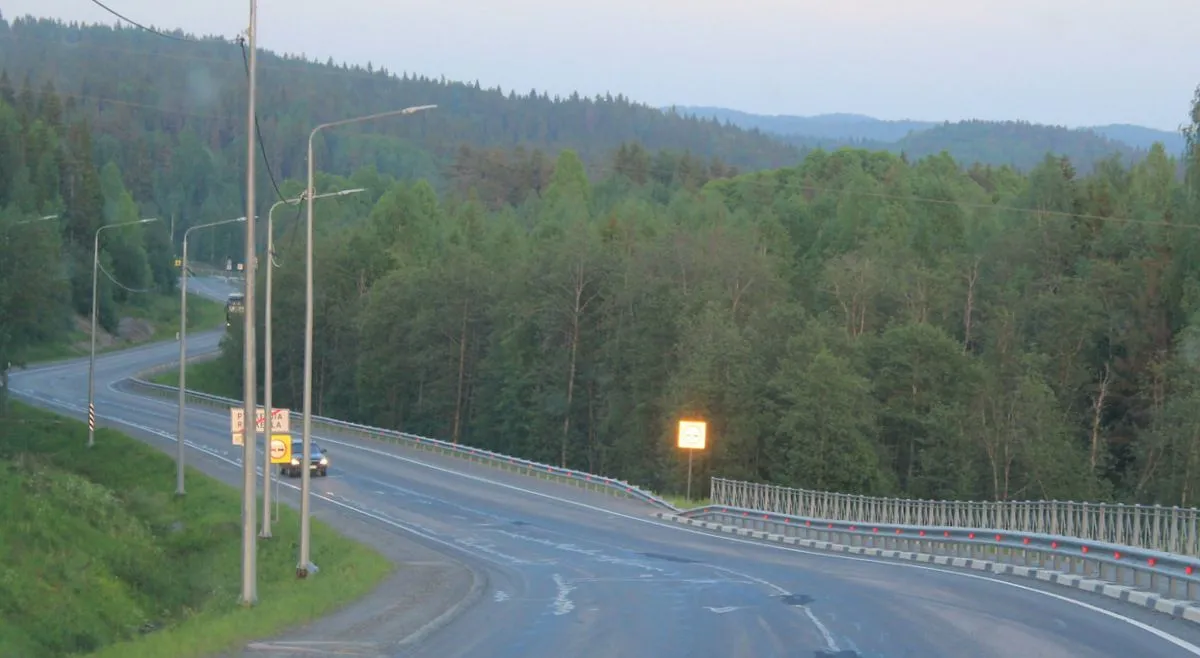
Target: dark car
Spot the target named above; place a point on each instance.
(319, 463)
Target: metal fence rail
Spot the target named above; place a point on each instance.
(1022, 553)
(478, 455)
(1174, 530)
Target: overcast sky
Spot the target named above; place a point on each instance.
(1071, 62)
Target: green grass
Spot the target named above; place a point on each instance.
(99, 557)
(678, 500)
(205, 377)
(161, 311)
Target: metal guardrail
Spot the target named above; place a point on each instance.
(1162, 573)
(478, 455)
(1172, 530)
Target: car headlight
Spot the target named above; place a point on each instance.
(295, 462)
(324, 461)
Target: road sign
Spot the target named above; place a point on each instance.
(692, 434)
(281, 449)
(238, 440)
(280, 420)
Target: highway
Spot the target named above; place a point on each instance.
(559, 571)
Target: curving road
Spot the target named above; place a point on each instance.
(550, 570)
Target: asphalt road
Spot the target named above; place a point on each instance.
(550, 570)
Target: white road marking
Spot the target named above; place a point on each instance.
(562, 602)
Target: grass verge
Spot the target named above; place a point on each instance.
(206, 377)
(161, 311)
(680, 502)
(100, 558)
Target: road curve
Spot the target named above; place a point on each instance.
(565, 572)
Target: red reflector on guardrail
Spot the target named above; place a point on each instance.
(971, 535)
(922, 533)
(1084, 549)
(897, 530)
(1152, 561)
(1188, 570)
(1117, 555)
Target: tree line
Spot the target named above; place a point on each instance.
(857, 323)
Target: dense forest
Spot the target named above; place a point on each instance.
(858, 322)
(53, 199)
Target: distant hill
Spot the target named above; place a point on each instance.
(1142, 137)
(1017, 143)
(854, 127)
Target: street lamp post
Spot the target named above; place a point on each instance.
(250, 390)
(179, 457)
(95, 302)
(305, 562)
(267, 354)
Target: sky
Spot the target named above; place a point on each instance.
(1063, 62)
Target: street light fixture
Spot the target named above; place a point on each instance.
(95, 302)
(179, 457)
(39, 219)
(267, 356)
(305, 563)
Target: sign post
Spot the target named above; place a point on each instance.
(692, 437)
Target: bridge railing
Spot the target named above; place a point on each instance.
(1174, 530)
(1064, 560)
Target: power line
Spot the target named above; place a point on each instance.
(134, 23)
(246, 62)
(258, 130)
(122, 285)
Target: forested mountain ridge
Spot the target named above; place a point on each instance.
(133, 78)
(1018, 143)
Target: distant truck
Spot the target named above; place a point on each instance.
(235, 306)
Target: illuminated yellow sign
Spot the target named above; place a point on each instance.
(692, 434)
(281, 448)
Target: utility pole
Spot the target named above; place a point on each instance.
(250, 388)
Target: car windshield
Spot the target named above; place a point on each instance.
(298, 448)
